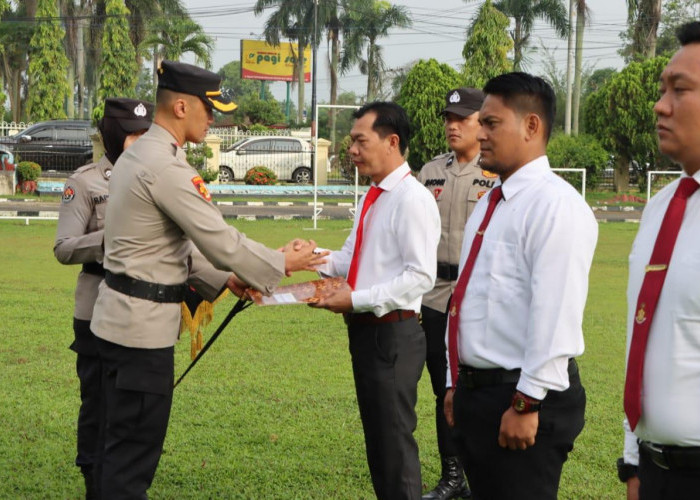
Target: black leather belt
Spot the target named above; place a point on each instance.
(473, 378)
(369, 318)
(94, 268)
(447, 271)
(145, 289)
(672, 457)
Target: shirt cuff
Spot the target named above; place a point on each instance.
(528, 388)
(631, 453)
(361, 300)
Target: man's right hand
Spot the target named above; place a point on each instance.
(633, 488)
(448, 405)
(302, 257)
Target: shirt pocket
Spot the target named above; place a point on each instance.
(500, 270)
(100, 211)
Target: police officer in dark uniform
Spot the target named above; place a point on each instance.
(457, 183)
(159, 214)
(79, 238)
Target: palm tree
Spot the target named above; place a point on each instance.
(646, 16)
(525, 12)
(174, 36)
(14, 55)
(582, 17)
(364, 22)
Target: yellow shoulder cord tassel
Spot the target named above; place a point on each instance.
(196, 322)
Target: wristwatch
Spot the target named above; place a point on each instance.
(626, 471)
(523, 403)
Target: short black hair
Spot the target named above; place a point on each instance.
(689, 33)
(527, 94)
(390, 119)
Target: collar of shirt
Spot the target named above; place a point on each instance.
(467, 167)
(394, 178)
(524, 176)
(164, 135)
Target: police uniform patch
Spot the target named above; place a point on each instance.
(198, 183)
(488, 174)
(437, 192)
(68, 194)
(480, 194)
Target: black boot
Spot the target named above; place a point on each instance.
(452, 484)
(90, 489)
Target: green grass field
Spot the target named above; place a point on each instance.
(270, 411)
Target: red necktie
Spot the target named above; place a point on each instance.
(655, 274)
(461, 287)
(370, 198)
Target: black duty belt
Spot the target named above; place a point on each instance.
(145, 289)
(672, 457)
(94, 268)
(447, 271)
(473, 378)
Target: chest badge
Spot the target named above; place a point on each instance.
(198, 183)
(488, 175)
(480, 194)
(437, 192)
(641, 316)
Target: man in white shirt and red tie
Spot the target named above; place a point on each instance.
(515, 318)
(390, 260)
(662, 384)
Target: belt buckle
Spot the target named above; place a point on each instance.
(658, 456)
(160, 292)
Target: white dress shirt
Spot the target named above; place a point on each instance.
(399, 247)
(523, 306)
(671, 384)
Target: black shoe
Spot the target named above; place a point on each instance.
(452, 484)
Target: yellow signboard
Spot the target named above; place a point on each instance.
(261, 61)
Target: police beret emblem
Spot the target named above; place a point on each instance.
(68, 194)
(454, 98)
(140, 110)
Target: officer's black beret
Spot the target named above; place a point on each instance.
(132, 115)
(193, 80)
(463, 101)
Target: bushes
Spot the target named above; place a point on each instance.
(28, 171)
(197, 156)
(260, 176)
(582, 151)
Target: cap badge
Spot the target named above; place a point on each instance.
(140, 110)
(454, 98)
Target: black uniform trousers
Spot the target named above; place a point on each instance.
(656, 483)
(89, 370)
(435, 324)
(137, 396)
(499, 473)
(387, 362)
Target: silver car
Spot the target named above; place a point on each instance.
(288, 157)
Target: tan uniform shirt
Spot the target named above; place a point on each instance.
(456, 187)
(158, 208)
(81, 222)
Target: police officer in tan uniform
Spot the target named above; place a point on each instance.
(457, 182)
(79, 239)
(159, 210)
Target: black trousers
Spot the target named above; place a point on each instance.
(137, 396)
(434, 325)
(89, 370)
(656, 483)
(499, 473)
(387, 362)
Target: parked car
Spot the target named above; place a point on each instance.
(288, 157)
(61, 145)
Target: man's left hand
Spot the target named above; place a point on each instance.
(518, 430)
(236, 285)
(337, 302)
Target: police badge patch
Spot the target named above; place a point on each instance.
(68, 194)
(198, 183)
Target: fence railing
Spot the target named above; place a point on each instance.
(11, 128)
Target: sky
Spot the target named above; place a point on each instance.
(437, 32)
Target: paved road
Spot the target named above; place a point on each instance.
(268, 211)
